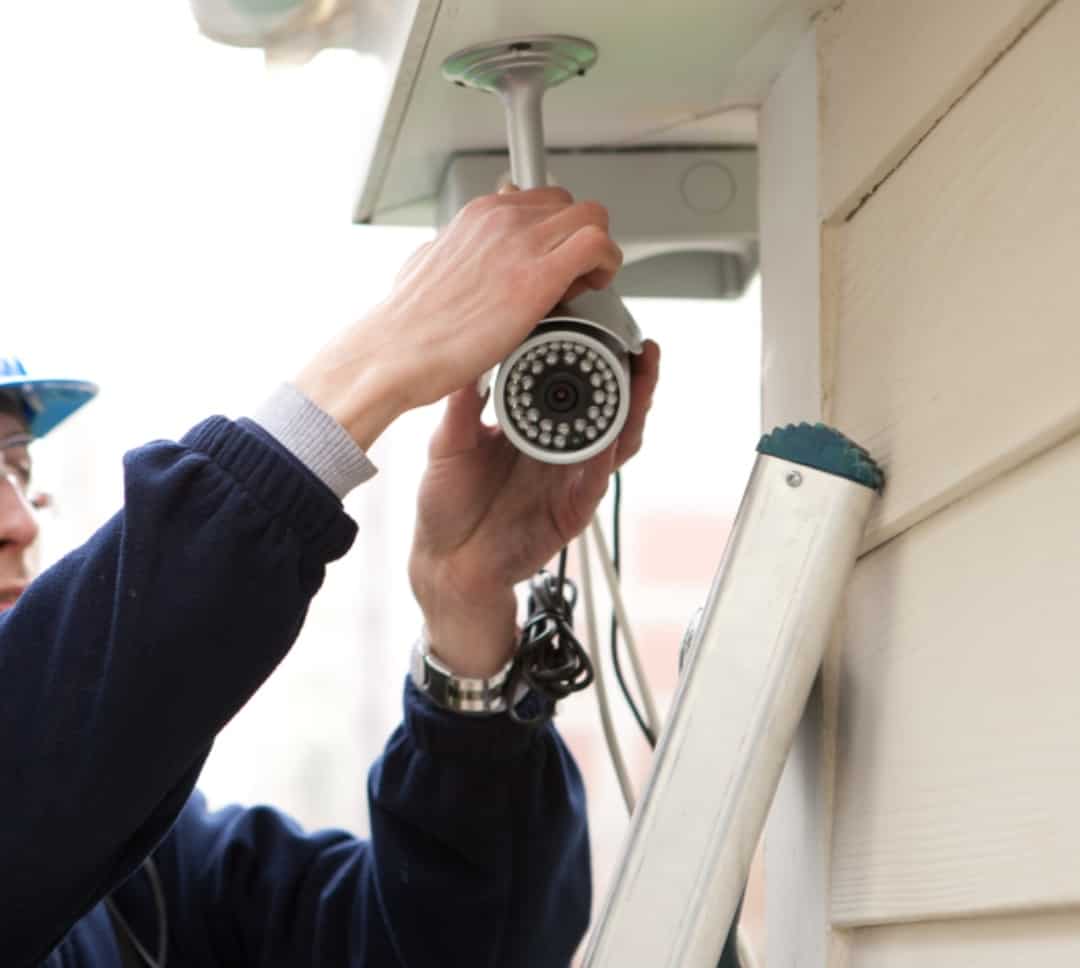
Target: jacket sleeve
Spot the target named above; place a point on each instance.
(479, 857)
(120, 664)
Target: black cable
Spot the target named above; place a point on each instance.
(615, 560)
(550, 660)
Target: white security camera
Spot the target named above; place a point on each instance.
(564, 394)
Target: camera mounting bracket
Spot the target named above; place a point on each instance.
(520, 70)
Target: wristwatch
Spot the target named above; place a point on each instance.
(459, 694)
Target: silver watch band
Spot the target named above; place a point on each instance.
(459, 694)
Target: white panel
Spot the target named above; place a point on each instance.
(875, 106)
(790, 245)
(666, 73)
(954, 290)
(796, 833)
(958, 791)
(1038, 940)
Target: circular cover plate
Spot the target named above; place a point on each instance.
(553, 57)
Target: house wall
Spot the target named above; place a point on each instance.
(928, 813)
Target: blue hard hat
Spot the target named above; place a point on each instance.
(46, 401)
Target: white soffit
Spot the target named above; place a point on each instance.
(686, 72)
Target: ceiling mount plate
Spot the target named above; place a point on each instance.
(553, 57)
(519, 70)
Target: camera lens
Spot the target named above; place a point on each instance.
(561, 396)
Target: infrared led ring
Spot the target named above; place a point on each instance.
(563, 395)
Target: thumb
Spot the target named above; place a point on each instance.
(460, 427)
(588, 486)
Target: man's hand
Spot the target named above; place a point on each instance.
(461, 305)
(490, 517)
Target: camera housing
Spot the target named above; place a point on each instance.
(563, 395)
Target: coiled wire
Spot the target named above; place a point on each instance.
(550, 661)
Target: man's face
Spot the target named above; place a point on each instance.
(18, 522)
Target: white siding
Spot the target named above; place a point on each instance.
(1038, 940)
(954, 292)
(958, 790)
(890, 70)
(796, 833)
(938, 771)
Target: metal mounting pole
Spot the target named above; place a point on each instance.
(520, 70)
(523, 98)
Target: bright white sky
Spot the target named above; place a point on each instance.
(172, 212)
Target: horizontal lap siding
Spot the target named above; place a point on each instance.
(889, 70)
(958, 783)
(953, 324)
(951, 348)
(1037, 940)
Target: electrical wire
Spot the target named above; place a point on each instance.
(651, 718)
(162, 918)
(616, 514)
(591, 637)
(613, 573)
(550, 661)
(744, 951)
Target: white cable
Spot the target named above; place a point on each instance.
(163, 923)
(598, 673)
(743, 950)
(745, 953)
(623, 620)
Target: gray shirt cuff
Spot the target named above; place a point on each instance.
(316, 439)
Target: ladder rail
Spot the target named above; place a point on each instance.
(748, 674)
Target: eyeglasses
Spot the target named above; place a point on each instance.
(16, 467)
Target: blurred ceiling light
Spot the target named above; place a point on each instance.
(296, 29)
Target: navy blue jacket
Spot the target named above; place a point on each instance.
(119, 665)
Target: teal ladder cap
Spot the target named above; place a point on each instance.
(815, 445)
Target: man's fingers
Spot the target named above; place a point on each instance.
(461, 426)
(576, 289)
(588, 254)
(558, 227)
(645, 371)
(576, 231)
(589, 487)
(551, 195)
(597, 279)
(414, 260)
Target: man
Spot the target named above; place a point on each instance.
(120, 663)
